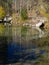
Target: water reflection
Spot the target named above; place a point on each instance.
(12, 52)
(15, 53)
(16, 47)
(41, 32)
(3, 49)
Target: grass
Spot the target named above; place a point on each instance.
(43, 11)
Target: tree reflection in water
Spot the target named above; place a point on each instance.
(13, 51)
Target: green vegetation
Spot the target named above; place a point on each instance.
(7, 4)
(23, 31)
(24, 14)
(5, 30)
(2, 13)
(2, 30)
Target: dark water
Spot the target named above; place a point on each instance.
(13, 52)
(17, 52)
(3, 49)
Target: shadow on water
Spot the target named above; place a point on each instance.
(3, 49)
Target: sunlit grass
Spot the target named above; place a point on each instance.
(43, 12)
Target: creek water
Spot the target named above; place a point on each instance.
(17, 48)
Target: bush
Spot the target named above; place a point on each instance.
(24, 14)
(2, 12)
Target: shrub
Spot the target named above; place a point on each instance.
(2, 13)
(24, 14)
